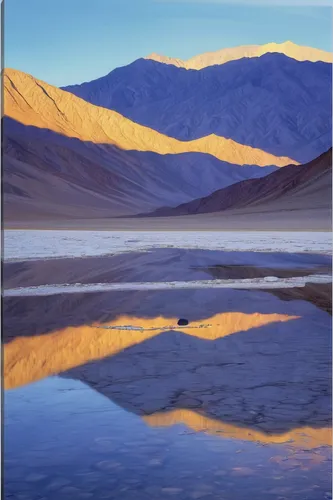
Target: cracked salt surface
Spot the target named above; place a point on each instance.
(261, 283)
(44, 244)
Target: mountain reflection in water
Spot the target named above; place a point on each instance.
(247, 387)
(235, 404)
(307, 437)
(27, 359)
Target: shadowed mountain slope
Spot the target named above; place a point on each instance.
(271, 102)
(50, 176)
(292, 188)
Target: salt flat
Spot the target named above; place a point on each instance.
(103, 287)
(43, 244)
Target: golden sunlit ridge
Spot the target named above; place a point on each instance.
(35, 103)
(289, 49)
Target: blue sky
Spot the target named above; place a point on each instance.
(71, 41)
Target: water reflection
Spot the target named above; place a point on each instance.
(27, 359)
(236, 403)
(64, 440)
(307, 437)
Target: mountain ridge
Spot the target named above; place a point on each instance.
(35, 103)
(221, 56)
(273, 103)
(94, 180)
(256, 193)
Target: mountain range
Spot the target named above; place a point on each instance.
(162, 133)
(272, 102)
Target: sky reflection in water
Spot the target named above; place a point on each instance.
(63, 438)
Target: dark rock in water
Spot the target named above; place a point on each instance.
(182, 322)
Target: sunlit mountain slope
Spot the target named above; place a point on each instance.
(35, 103)
(288, 48)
